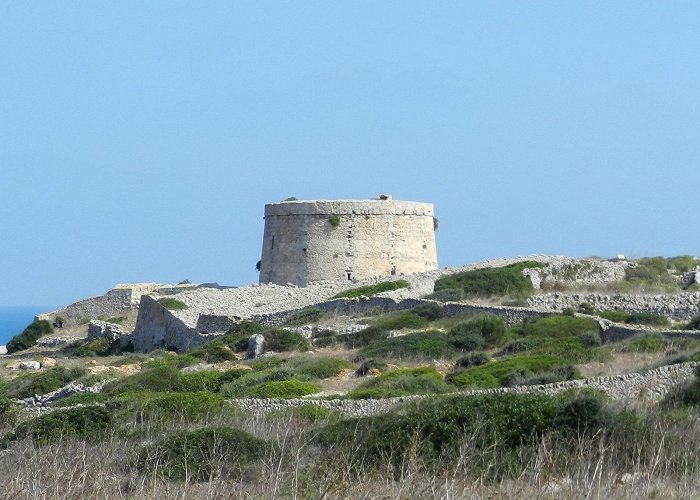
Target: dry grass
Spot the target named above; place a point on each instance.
(655, 467)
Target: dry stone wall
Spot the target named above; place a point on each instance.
(679, 307)
(651, 385)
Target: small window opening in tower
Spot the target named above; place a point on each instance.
(272, 245)
(349, 275)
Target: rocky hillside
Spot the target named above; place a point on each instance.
(507, 377)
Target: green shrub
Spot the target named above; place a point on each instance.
(426, 380)
(206, 380)
(557, 326)
(8, 411)
(582, 348)
(202, 454)
(648, 342)
(325, 338)
(280, 340)
(41, 383)
(493, 374)
(224, 348)
(582, 413)
(507, 280)
(489, 327)
(585, 308)
(161, 378)
(166, 406)
(80, 398)
(467, 341)
(305, 316)
(420, 345)
(645, 318)
(617, 316)
(382, 325)
(86, 422)
(446, 295)
(431, 312)
(370, 290)
(473, 359)
(526, 377)
(281, 389)
(694, 323)
(172, 304)
(334, 220)
(97, 347)
(240, 387)
(318, 367)
(29, 336)
(682, 263)
(496, 423)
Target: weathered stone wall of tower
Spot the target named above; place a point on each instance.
(308, 241)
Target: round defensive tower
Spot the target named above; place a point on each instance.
(308, 241)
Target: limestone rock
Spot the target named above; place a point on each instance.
(14, 365)
(91, 362)
(130, 369)
(101, 329)
(255, 346)
(47, 362)
(29, 365)
(3, 349)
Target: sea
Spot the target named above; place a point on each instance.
(13, 319)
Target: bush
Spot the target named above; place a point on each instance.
(492, 375)
(172, 304)
(280, 340)
(496, 423)
(334, 220)
(281, 389)
(474, 359)
(382, 325)
(86, 422)
(202, 454)
(446, 295)
(305, 316)
(644, 318)
(97, 347)
(8, 411)
(224, 347)
(426, 380)
(325, 338)
(682, 263)
(525, 377)
(583, 413)
(616, 316)
(489, 327)
(648, 342)
(80, 398)
(557, 326)
(166, 406)
(240, 387)
(43, 382)
(370, 290)
(585, 308)
(694, 323)
(29, 336)
(579, 349)
(431, 312)
(319, 367)
(507, 280)
(421, 345)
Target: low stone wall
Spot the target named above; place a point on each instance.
(651, 385)
(678, 307)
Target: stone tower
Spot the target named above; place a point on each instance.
(308, 241)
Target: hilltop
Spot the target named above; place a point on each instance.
(385, 385)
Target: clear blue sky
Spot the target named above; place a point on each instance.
(139, 141)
